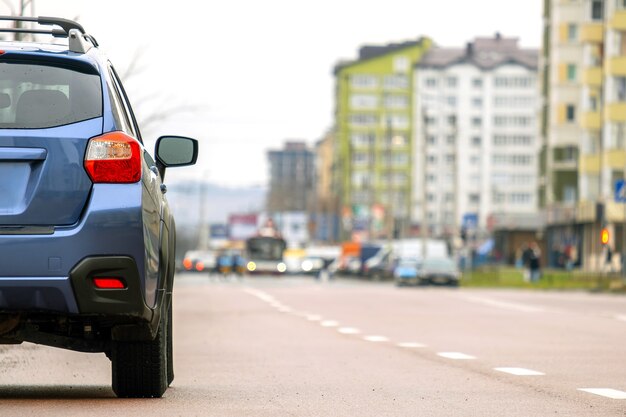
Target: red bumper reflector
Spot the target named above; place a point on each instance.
(109, 283)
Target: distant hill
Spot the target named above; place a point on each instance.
(219, 202)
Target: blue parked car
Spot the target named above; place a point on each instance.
(86, 235)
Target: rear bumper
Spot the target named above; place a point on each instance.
(37, 294)
(37, 271)
(77, 293)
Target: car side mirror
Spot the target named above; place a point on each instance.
(175, 151)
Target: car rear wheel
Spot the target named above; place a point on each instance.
(140, 369)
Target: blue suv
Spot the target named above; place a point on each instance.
(86, 235)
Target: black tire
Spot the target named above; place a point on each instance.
(170, 346)
(140, 368)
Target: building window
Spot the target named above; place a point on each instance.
(570, 113)
(450, 158)
(432, 159)
(396, 102)
(449, 197)
(396, 81)
(363, 120)
(477, 102)
(431, 197)
(477, 121)
(451, 120)
(621, 4)
(432, 140)
(476, 141)
(620, 87)
(431, 121)
(363, 139)
(451, 100)
(361, 179)
(430, 82)
(431, 178)
(571, 72)
(360, 158)
(451, 82)
(363, 101)
(474, 198)
(398, 121)
(597, 9)
(475, 160)
(364, 81)
(450, 139)
(572, 32)
(401, 64)
(477, 82)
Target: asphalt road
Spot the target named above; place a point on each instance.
(292, 346)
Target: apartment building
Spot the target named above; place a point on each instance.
(476, 135)
(374, 139)
(584, 110)
(292, 178)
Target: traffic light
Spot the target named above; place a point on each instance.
(604, 236)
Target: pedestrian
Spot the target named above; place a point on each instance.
(535, 262)
(526, 255)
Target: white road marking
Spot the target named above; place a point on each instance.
(348, 330)
(329, 323)
(456, 355)
(620, 317)
(376, 338)
(410, 345)
(313, 317)
(606, 392)
(519, 371)
(505, 304)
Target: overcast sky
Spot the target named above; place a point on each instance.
(260, 72)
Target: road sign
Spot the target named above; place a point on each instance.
(470, 221)
(620, 191)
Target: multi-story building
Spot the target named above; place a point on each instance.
(476, 136)
(326, 206)
(374, 138)
(584, 111)
(291, 179)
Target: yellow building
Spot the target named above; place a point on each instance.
(584, 111)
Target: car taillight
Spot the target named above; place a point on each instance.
(199, 266)
(113, 157)
(187, 264)
(109, 283)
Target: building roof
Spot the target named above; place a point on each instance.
(485, 53)
(367, 52)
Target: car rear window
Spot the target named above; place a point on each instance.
(39, 96)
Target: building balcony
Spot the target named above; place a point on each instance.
(617, 66)
(591, 120)
(616, 112)
(565, 165)
(618, 22)
(593, 77)
(592, 33)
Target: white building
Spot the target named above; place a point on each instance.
(476, 134)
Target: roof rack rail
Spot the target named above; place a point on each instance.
(74, 31)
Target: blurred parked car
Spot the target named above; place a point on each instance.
(312, 265)
(200, 261)
(427, 271)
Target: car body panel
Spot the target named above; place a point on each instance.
(49, 187)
